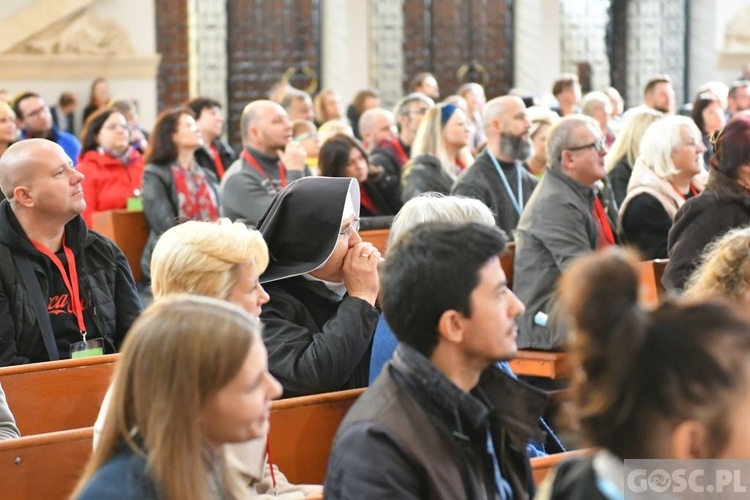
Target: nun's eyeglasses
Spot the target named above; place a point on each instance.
(347, 231)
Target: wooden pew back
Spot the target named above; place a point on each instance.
(129, 231)
(45, 465)
(302, 432)
(378, 237)
(541, 364)
(651, 290)
(57, 395)
(507, 258)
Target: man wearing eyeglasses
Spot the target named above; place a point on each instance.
(565, 218)
(391, 153)
(35, 121)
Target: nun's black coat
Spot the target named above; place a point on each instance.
(317, 341)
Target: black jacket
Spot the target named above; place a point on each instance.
(107, 288)
(161, 206)
(389, 184)
(424, 174)
(722, 206)
(206, 160)
(413, 434)
(317, 342)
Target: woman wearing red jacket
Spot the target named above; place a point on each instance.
(112, 168)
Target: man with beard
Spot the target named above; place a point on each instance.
(659, 94)
(498, 178)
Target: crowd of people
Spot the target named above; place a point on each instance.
(263, 287)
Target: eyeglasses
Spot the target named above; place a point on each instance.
(347, 231)
(600, 145)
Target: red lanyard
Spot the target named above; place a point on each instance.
(70, 283)
(282, 171)
(606, 236)
(217, 161)
(400, 152)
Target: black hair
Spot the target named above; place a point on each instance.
(430, 270)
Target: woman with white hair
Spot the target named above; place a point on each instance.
(669, 170)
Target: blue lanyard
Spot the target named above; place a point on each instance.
(517, 201)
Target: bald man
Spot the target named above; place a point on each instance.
(269, 161)
(61, 283)
(376, 125)
(498, 177)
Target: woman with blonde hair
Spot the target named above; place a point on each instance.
(327, 106)
(541, 120)
(669, 170)
(624, 151)
(439, 153)
(164, 434)
(222, 260)
(724, 270)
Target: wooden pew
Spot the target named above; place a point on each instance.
(45, 465)
(302, 432)
(57, 395)
(541, 364)
(378, 237)
(129, 230)
(542, 466)
(652, 290)
(506, 262)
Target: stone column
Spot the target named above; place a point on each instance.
(386, 49)
(207, 42)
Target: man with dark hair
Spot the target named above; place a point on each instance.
(216, 154)
(442, 421)
(61, 285)
(567, 91)
(498, 178)
(34, 118)
(658, 94)
(427, 84)
(63, 115)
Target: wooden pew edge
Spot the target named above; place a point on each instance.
(57, 365)
(328, 397)
(47, 438)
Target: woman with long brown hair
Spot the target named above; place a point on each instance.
(175, 188)
(165, 435)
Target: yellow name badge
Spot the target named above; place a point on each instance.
(86, 349)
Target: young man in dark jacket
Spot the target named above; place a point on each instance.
(442, 421)
(60, 284)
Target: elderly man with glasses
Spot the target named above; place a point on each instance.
(566, 217)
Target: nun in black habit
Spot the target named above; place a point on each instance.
(323, 283)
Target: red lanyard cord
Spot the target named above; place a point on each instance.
(254, 163)
(71, 282)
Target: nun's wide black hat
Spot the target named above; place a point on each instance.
(302, 224)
